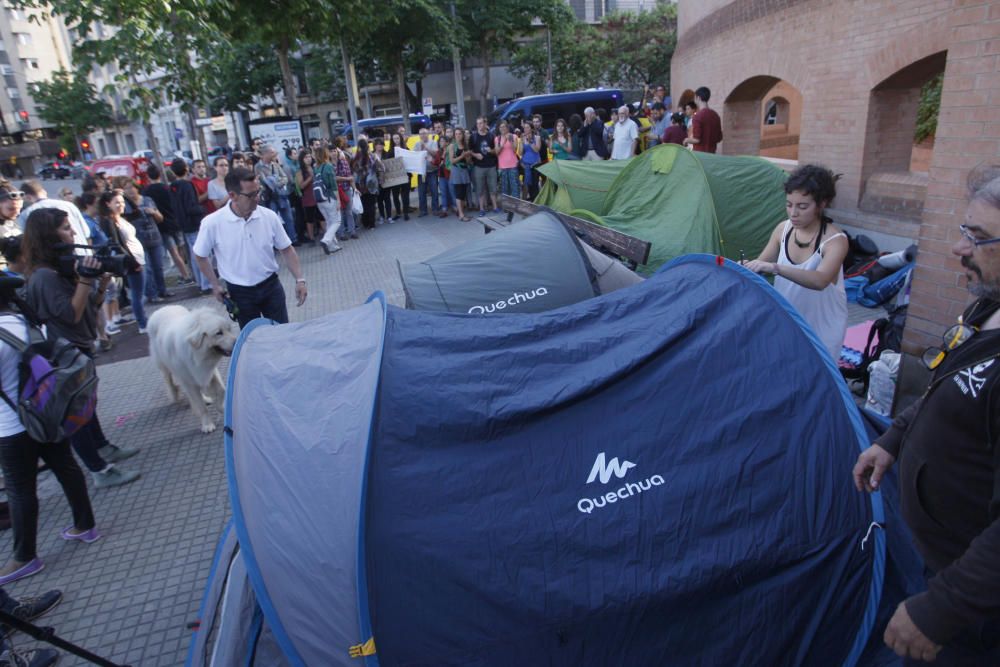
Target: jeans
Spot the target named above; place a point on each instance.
(265, 299)
(202, 281)
(347, 220)
(283, 208)
(530, 183)
(447, 193)
(331, 215)
(425, 183)
(508, 182)
(19, 456)
(135, 288)
(370, 202)
(86, 441)
(155, 284)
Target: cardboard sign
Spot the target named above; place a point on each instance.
(415, 161)
(395, 173)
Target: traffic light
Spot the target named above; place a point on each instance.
(22, 116)
(62, 154)
(85, 145)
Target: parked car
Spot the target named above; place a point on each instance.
(122, 165)
(384, 125)
(53, 170)
(555, 106)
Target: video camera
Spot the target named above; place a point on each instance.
(112, 258)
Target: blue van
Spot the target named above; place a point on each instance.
(383, 125)
(555, 106)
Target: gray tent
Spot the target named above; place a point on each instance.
(535, 265)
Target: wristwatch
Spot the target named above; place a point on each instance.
(300, 280)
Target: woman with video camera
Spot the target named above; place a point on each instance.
(65, 292)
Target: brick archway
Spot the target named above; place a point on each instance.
(741, 118)
(923, 41)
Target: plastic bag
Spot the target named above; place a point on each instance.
(882, 382)
(356, 205)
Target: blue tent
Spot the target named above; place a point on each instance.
(657, 476)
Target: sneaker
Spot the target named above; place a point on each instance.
(124, 319)
(391, 220)
(482, 214)
(112, 476)
(185, 281)
(30, 608)
(167, 295)
(114, 453)
(155, 299)
(111, 329)
(498, 210)
(87, 536)
(354, 235)
(39, 657)
(142, 330)
(326, 248)
(33, 566)
(335, 249)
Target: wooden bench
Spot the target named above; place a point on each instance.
(609, 241)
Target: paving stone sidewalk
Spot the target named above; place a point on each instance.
(130, 596)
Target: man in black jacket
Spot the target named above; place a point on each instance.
(591, 135)
(948, 448)
(173, 241)
(187, 214)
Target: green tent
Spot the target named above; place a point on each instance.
(678, 200)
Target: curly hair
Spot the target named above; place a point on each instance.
(816, 181)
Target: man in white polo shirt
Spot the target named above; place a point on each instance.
(243, 237)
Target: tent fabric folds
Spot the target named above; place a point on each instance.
(535, 265)
(680, 201)
(657, 476)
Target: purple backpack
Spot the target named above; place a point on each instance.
(57, 385)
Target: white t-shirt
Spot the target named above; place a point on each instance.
(216, 191)
(244, 249)
(9, 359)
(625, 134)
(127, 231)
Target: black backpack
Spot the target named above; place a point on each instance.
(890, 337)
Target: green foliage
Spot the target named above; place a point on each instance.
(239, 73)
(72, 104)
(927, 111)
(625, 49)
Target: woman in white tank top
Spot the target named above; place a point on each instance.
(806, 255)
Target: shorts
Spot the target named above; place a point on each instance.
(486, 179)
(114, 286)
(172, 239)
(461, 190)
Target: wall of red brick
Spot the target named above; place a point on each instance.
(839, 55)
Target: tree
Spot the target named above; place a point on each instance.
(578, 58)
(72, 104)
(240, 73)
(645, 43)
(927, 111)
(492, 27)
(405, 43)
(152, 44)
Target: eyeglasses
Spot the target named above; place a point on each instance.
(250, 195)
(973, 240)
(11, 194)
(953, 337)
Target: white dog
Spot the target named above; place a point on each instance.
(187, 346)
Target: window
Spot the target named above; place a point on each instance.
(23, 38)
(15, 14)
(13, 93)
(29, 63)
(6, 70)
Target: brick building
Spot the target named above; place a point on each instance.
(857, 69)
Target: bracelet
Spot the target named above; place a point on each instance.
(300, 280)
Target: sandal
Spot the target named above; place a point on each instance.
(465, 218)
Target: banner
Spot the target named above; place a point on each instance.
(395, 172)
(280, 134)
(415, 161)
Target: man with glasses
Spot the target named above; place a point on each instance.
(243, 237)
(948, 447)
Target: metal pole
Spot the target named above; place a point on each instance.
(459, 92)
(548, 52)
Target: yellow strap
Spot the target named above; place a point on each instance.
(361, 650)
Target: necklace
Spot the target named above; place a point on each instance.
(795, 237)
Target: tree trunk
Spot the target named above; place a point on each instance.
(194, 134)
(484, 94)
(287, 79)
(153, 143)
(404, 103)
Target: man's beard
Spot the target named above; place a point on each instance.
(981, 288)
